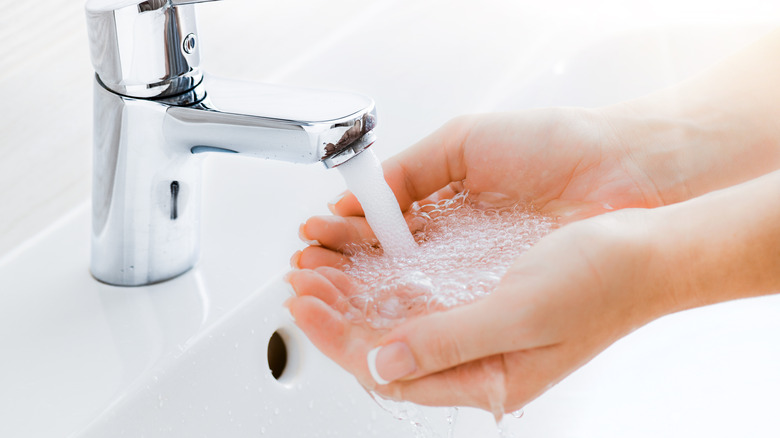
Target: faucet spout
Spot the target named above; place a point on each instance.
(147, 162)
(274, 122)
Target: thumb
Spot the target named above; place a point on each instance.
(443, 340)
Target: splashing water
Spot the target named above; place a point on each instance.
(465, 246)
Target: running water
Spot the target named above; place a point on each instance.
(364, 177)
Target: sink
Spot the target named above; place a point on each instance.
(210, 353)
(191, 357)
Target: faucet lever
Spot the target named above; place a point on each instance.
(144, 49)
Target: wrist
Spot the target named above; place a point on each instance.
(684, 145)
(721, 246)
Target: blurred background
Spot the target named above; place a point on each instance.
(465, 56)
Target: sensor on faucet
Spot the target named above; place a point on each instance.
(155, 112)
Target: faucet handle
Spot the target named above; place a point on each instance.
(144, 49)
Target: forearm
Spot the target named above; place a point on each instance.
(721, 246)
(713, 131)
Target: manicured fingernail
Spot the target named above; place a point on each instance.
(302, 235)
(390, 362)
(296, 257)
(332, 203)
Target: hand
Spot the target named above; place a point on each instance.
(562, 302)
(566, 162)
(582, 286)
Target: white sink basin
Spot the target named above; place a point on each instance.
(189, 357)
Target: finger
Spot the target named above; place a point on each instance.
(332, 334)
(420, 170)
(306, 282)
(499, 384)
(340, 280)
(477, 384)
(447, 192)
(335, 232)
(438, 341)
(315, 256)
(324, 326)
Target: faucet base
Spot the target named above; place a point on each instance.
(145, 195)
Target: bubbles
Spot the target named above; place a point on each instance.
(466, 245)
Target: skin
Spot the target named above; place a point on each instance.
(667, 203)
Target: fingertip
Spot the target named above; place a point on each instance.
(293, 278)
(315, 256)
(346, 204)
(294, 261)
(323, 325)
(390, 362)
(304, 236)
(307, 282)
(336, 199)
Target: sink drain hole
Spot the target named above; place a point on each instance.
(277, 355)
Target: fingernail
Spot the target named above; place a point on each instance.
(288, 276)
(390, 362)
(302, 235)
(296, 257)
(332, 203)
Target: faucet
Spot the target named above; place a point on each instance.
(156, 114)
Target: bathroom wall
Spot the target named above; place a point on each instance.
(480, 56)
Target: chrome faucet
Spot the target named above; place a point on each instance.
(155, 113)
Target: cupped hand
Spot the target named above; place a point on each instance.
(568, 163)
(561, 303)
(550, 312)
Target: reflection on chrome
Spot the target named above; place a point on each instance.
(155, 112)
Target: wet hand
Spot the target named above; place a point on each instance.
(565, 162)
(561, 303)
